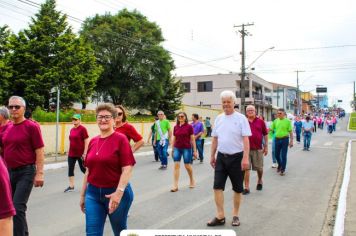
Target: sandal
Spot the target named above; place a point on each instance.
(174, 190)
(235, 221)
(216, 221)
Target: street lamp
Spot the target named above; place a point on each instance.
(243, 73)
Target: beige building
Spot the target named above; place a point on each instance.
(204, 90)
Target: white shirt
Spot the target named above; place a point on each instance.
(230, 130)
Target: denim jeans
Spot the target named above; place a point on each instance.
(96, 210)
(162, 152)
(199, 145)
(21, 184)
(330, 129)
(307, 138)
(274, 160)
(281, 153)
(185, 152)
(297, 133)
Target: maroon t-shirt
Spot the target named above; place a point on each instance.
(19, 142)
(182, 136)
(6, 206)
(106, 157)
(130, 132)
(258, 130)
(76, 141)
(2, 130)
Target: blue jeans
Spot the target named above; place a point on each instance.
(281, 153)
(96, 210)
(199, 145)
(274, 160)
(162, 152)
(297, 133)
(185, 152)
(307, 138)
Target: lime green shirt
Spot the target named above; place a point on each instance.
(281, 128)
(165, 126)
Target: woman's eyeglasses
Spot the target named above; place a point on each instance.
(181, 116)
(120, 113)
(106, 117)
(11, 107)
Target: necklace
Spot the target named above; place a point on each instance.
(97, 145)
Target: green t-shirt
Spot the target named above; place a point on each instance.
(165, 126)
(281, 128)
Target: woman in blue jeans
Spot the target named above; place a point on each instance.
(183, 141)
(106, 190)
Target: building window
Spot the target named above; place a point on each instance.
(206, 86)
(186, 87)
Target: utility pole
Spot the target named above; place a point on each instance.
(354, 98)
(243, 33)
(299, 103)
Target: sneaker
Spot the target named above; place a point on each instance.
(69, 189)
(235, 221)
(163, 168)
(274, 165)
(246, 192)
(259, 187)
(201, 162)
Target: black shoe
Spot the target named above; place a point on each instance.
(69, 189)
(259, 187)
(245, 192)
(216, 221)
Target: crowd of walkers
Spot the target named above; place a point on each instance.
(239, 144)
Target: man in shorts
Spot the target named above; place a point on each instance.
(259, 132)
(230, 141)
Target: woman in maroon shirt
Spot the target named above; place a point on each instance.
(78, 145)
(106, 189)
(183, 141)
(122, 126)
(7, 209)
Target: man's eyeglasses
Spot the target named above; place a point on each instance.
(11, 107)
(280, 113)
(106, 117)
(120, 113)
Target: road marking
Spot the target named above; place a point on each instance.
(329, 148)
(328, 143)
(341, 209)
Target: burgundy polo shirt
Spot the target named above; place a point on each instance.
(77, 137)
(258, 130)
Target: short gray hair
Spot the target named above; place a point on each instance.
(18, 98)
(228, 94)
(4, 112)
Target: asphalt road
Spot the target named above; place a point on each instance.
(295, 204)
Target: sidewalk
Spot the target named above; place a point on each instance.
(350, 217)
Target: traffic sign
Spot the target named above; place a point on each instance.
(321, 89)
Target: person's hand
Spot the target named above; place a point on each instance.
(82, 204)
(212, 161)
(245, 165)
(39, 179)
(291, 144)
(114, 202)
(265, 150)
(195, 155)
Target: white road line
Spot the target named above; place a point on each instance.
(341, 209)
(328, 143)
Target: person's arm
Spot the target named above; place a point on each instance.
(214, 145)
(194, 145)
(265, 148)
(82, 192)
(290, 139)
(137, 145)
(245, 159)
(6, 226)
(170, 134)
(39, 177)
(172, 144)
(86, 143)
(116, 196)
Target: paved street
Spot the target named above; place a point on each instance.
(295, 204)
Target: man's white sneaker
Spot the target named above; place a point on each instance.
(274, 165)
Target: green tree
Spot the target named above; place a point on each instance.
(5, 69)
(48, 54)
(137, 69)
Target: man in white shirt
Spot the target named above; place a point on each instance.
(230, 141)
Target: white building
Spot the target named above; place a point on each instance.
(204, 90)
